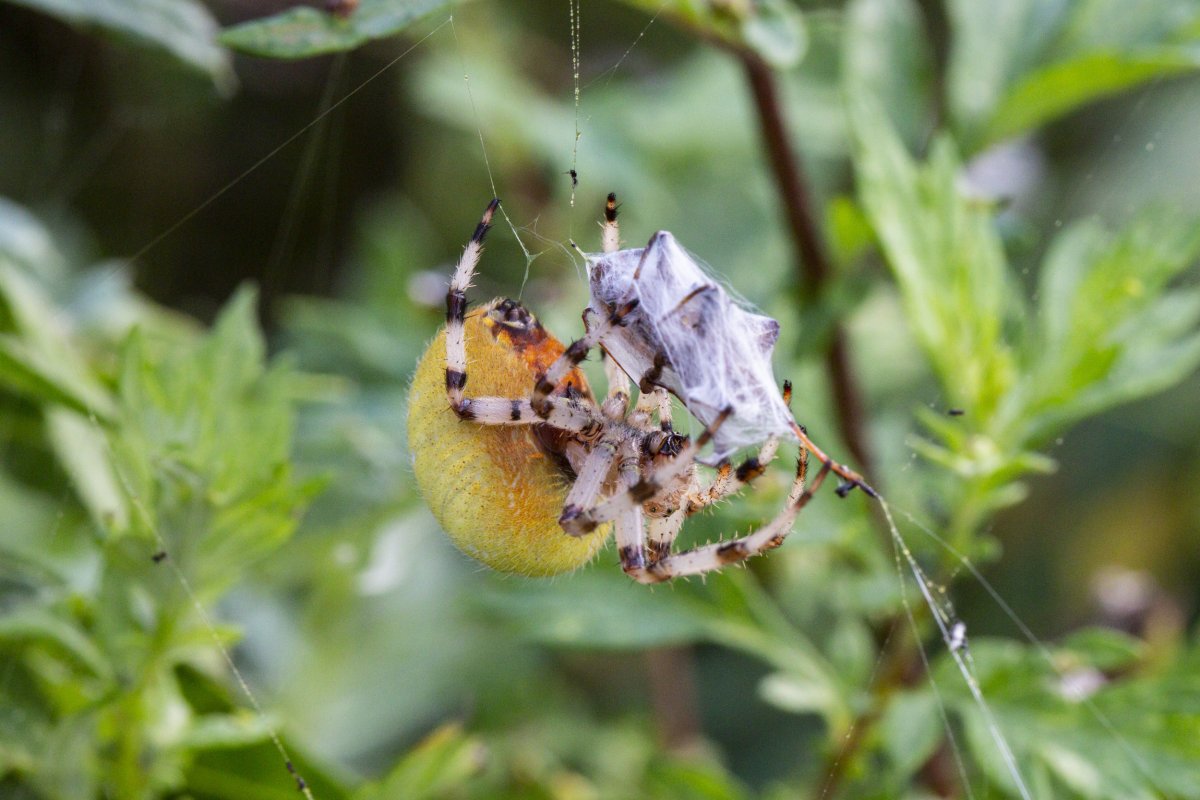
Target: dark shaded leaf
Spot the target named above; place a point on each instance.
(304, 31)
(183, 28)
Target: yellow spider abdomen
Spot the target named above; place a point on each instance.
(495, 490)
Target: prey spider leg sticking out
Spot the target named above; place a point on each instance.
(528, 473)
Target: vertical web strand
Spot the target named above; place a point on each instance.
(487, 164)
(574, 12)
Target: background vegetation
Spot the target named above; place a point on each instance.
(960, 205)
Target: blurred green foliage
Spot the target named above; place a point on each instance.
(174, 495)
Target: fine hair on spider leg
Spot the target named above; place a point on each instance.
(531, 427)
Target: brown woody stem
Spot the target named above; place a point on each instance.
(813, 265)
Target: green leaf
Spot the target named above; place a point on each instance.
(444, 760)
(1051, 92)
(228, 730)
(236, 773)
(1103, 648)
(26, 242)
(202, 444)
(772, 29)
(850, 235)
(83, 451)
(31, 623)
(776, 32)
(37, 358)
(884, 54)
(797, 694)
(303, 31)
(990, 43)
(1137, 737)
(1019, 64)
(680, 779)
(911, 728)
(946, 256)
(1108, 332)
(600, 608)
(183, 28)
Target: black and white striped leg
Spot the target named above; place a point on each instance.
(730, 480)
(650, 486)
(711, 557)
(631, 544)
(588, 483)
(630, 531)
(654, 401)
(610, 234)
(616, 403)
(456, 310)
(564, 414)
(661, 533)
(575, 353)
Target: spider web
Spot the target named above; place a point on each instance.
(951, 627)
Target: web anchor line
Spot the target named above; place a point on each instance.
(953, 633)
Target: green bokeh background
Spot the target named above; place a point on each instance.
(165, 187)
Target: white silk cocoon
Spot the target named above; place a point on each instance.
(714, 352)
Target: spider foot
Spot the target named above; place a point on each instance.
(847, 487)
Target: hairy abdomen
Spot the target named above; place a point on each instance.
(495, 490)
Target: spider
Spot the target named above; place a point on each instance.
(529, 473)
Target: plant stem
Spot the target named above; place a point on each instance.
(813, 265)
(815, 271)
(937, 31)
(894, 671)
(672, 677)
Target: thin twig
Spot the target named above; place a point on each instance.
(671, 673)
(937, 31)
(814, 266)
(815, 271)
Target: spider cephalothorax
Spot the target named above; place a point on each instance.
(527, 473)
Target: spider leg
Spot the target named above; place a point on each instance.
(630, 533)
(655, 399)
(647, 487)
(564, 414)
(616, 402)
(729, 481)
(610, 242)
(590, 478)
(661, 533)
(574, 354)
(456, 310)
(663, 399)
(710, 557)
(852, 479)
(610, 238)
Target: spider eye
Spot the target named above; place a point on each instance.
(513, 314)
